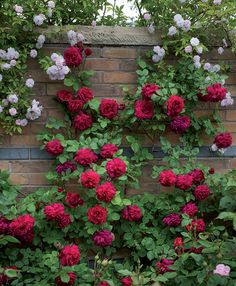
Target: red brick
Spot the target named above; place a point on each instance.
(119, 53)
(102, 64)
(52, 88)
(231, 79)
(30, 166)
(24, 141)
(231, 115)
(119, 77)
(4, 165)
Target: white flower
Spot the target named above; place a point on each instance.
(199, 50)
(12, 98)
(12, 111)
(6, 66)
(29, 83)
(208, 78)
(220, 50)
(151, 28)
(3, 54)
(12, 54)
(188, 49)
(41, 39)
(194, 42)
(172, 31)
(72, 37)
(51, 4)
(228, 100)
(49, 14)
(156, 58)
(225, 45)
(93, 24)
(196, 59)
(147, 16)
(5, 102)
(159, 51)
(18, 9)
(207, 66)
(178, 17)
(33, 53)
(217, 2)
(57, 72)
(35, 111)
(80, 37)
(1, 109)
(216, 68)
(197, 65)
(0, 77)
(13, 63)
(186, 25)
(39, 19)
(222, 150)
(21, 122)
(214, 148)
(54, 56)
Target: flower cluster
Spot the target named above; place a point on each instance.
(56, 212)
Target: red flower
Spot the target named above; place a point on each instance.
(167, 178)
(184, 182)
(54, 147)
(85, 94)
(178, 242)
(22, 228)
(190, 209)
(174, 105)
(148, 90)
(90, 179)
(75, 105)
(71, 281)
(105, 192)
(63, 220)
(116, 168)
(85, 157)
(69, 255)
(63, 168)
(60, 190)
(132, 213)
(180, 124)
(197, 226)
(198, 176)
(223, 140)
(97, 214)
(108, 108)
(103, 238)
(214, 93)
(103, 283)
(83, 121)
(144, 109)
(88, 52)
(173, 219)
(201, 192)
(53, 211)
(108, 150)
(211, 171)
(72, 57)
(4, 225)
(127, 281)
(164, 264)
(73, 199)
(195, 250)
(64, 95)
(121, 106)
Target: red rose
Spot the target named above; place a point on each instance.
(148, 90)
(173, 219)
(190, 209)
(85, 157)
(69, 255)
(115, 168)
(73, 199)
(108, 150)
(214, 93)
(72, 57)
(105, 192)
(164, 264)
(63, 220)
(132, 213)
(223, 140)
(75, 105)
(85, 94)
(121, 106)
(143, 109)
(201, 192)
(174, 105)
(4, 225)
(88, 52)
(108, 108)
(83, 121)
(198, 176)
(63, 168)
(178, 242)
(54, 147)
(64, 95)
(90, 179)
(97, 214)
(167, 178)
(23, 228)
(184, 182)
(211, 171)
(103, 238)
(180, 124)
(53, 211)
(103, 283)
(127, 281)
(70, 282)
(195, 250)
(197, 225)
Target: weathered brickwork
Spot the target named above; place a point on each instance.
(114, 66)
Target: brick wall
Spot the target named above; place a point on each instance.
(115, 51)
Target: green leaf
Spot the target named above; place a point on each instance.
(65, 278)
(68, 81)
(11, 273)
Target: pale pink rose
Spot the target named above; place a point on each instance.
(222, 270)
